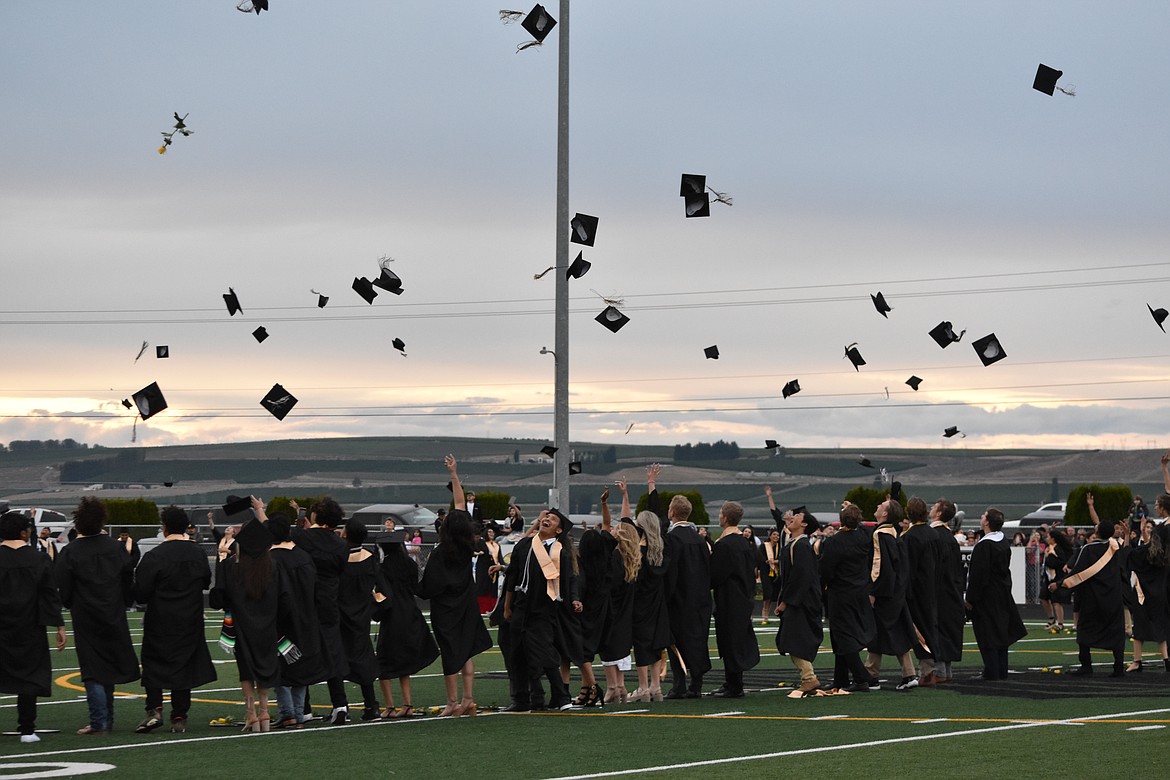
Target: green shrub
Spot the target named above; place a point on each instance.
(868, 498)
(131, 511)
(1112, 503)
(493, 504)
(698, 509)
(281, 504)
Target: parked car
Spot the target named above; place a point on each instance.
(1047, 513)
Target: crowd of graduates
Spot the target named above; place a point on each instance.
(641, 593)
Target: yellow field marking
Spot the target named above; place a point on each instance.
(65, 681)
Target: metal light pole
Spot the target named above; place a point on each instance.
(560, 491)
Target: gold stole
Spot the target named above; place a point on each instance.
(876, 569)
(731, 530)
(1137, 587)
(771, 552)
(1098, 565)
(550, 566)
(494, 550)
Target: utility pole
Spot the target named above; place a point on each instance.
(559, 496)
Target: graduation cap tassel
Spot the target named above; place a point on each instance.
(134, 431)
(507, 17)
(542, 273)
(1071, 90)
(721, 197)
(527, 45)
(140, 351)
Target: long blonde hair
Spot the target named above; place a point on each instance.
(630, 551)
(651, 526)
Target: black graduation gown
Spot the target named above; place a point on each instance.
(257, 659)
(1100, 616)
(538, 625)
(800, 633)
(486, 584)
(845, 577)
(1055, 563)
(995, 618)
(688, 595)
(299, 624)
(170, 581)
(28, 604)
(921, 546)
(405, 644)
(356, 604)
(455, 616)
(894, 633)
(617, 634)
(1151, 615)
(951, 612)
(651, 621)
(329, 553)
(95, 575)
(769, 577)
(733, 580)
(593, 585)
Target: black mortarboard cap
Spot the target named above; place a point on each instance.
(579, 267)
(864, 461)
(322, 300)
(697, 205)
(548, 450)
(169, 483)
(237, 505)
(538, 23)
(397, 536)
(365, 288)
(127, 403)
(692, 184)
(771, 444)
(149, 401)
(1159, 316)
(989, 349)
(575, 467)
(1046, 79)
(388, 281)
(612, 319)
(566, 523)
(879, 303)
(162, 351)
(399, 345)
(232, 302)
(712, 352)
(254, 538)
(896, 491)
(952, 431)
(583, 229)
(944, 334)
(260, 334)
(854, 356)
(279, 402)
(792, 388)
(914, 382)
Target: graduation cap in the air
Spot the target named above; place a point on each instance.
(579, 267)
(791, 388)
(712, 352)
(248, 6)
(771, 444)
(388, 281)
(944, 334)
(127, 403)
(696, 195)
(854, 356)
(162, 351)
(575, 467)
(397, 536)
(321, 299)
(149, 400)
(399, 345)
(612, 318)
(260, 334)
(279, 402)
(1159, 316)
(1046, 79)
(583, 229)
(914, 382)
(548, 450)
(954, 431)
(169, 483)
(236, 505)
(989, 349)
(363, 287)
(879, 303)
(254, 538)
(232, 302)
(864, 461)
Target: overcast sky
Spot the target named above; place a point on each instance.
(894, 146)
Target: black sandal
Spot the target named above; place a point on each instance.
(583, 696)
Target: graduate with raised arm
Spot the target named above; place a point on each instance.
(29, 603)
(651, 619)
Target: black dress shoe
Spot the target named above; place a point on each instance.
(675, 693)
(859, 687)
(723, 693)
(1081, 671)
(691, 694)
(720, 691)
(538, 707)
(514, 707)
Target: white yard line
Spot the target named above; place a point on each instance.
(849, 746)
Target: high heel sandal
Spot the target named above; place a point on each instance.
(1136, 666)
(640, 694)
(450, 711)
(583, 697)
(655, 694)
(594, 698)
(610, 695)
(407, 711)
(468, 710)
(264, 722)
(252, 725)
(623, 694)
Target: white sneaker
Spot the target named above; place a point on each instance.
(29, 738)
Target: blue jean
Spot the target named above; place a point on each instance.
(100, 698)
(291, 701)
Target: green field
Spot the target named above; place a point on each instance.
(951, 731)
